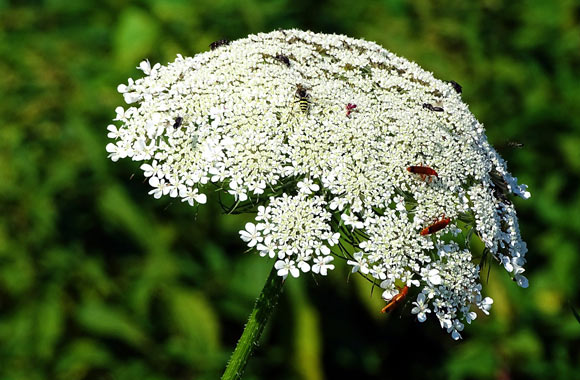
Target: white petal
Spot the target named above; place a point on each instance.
(154, 181)
(434, 277)
(201, 198)
(522, 281)
(250, 227)
(294, 272)
(111, 148)
(455, 335)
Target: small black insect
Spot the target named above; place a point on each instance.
(283, 59)
(178, 122)
(501, 188)
(456, 86)
(500, 196)
(216, 44)
(515, 144)
(431, 107)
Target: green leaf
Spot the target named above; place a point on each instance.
(307, 341)
(196, 332)
(569, 147)
(117, 207)
(16, 273)
(575, 312)
(80, 356)
(135, 37)
(50, 323)
(104, 320)
(471, 360)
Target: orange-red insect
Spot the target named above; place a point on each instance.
(437, 226)
(396, 300)
(423, 171)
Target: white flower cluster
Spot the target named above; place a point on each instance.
(297, 231)
(344, 150)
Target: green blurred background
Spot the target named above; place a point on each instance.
(98, 280)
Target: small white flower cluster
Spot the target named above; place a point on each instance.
(343, 150)
(297, 231)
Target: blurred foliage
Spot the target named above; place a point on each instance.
(100, 281)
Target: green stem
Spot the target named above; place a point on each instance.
(262, 311)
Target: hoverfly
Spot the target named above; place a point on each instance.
(302, 98)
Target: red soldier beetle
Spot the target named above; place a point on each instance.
(437, 226)
(423, 171)
(396, 300)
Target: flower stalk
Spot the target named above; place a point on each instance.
(263, 308)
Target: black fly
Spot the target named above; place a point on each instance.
(431, 107)
(456, 86)
(216, 44)
(283, 59)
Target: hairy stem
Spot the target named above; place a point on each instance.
(262, 311)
